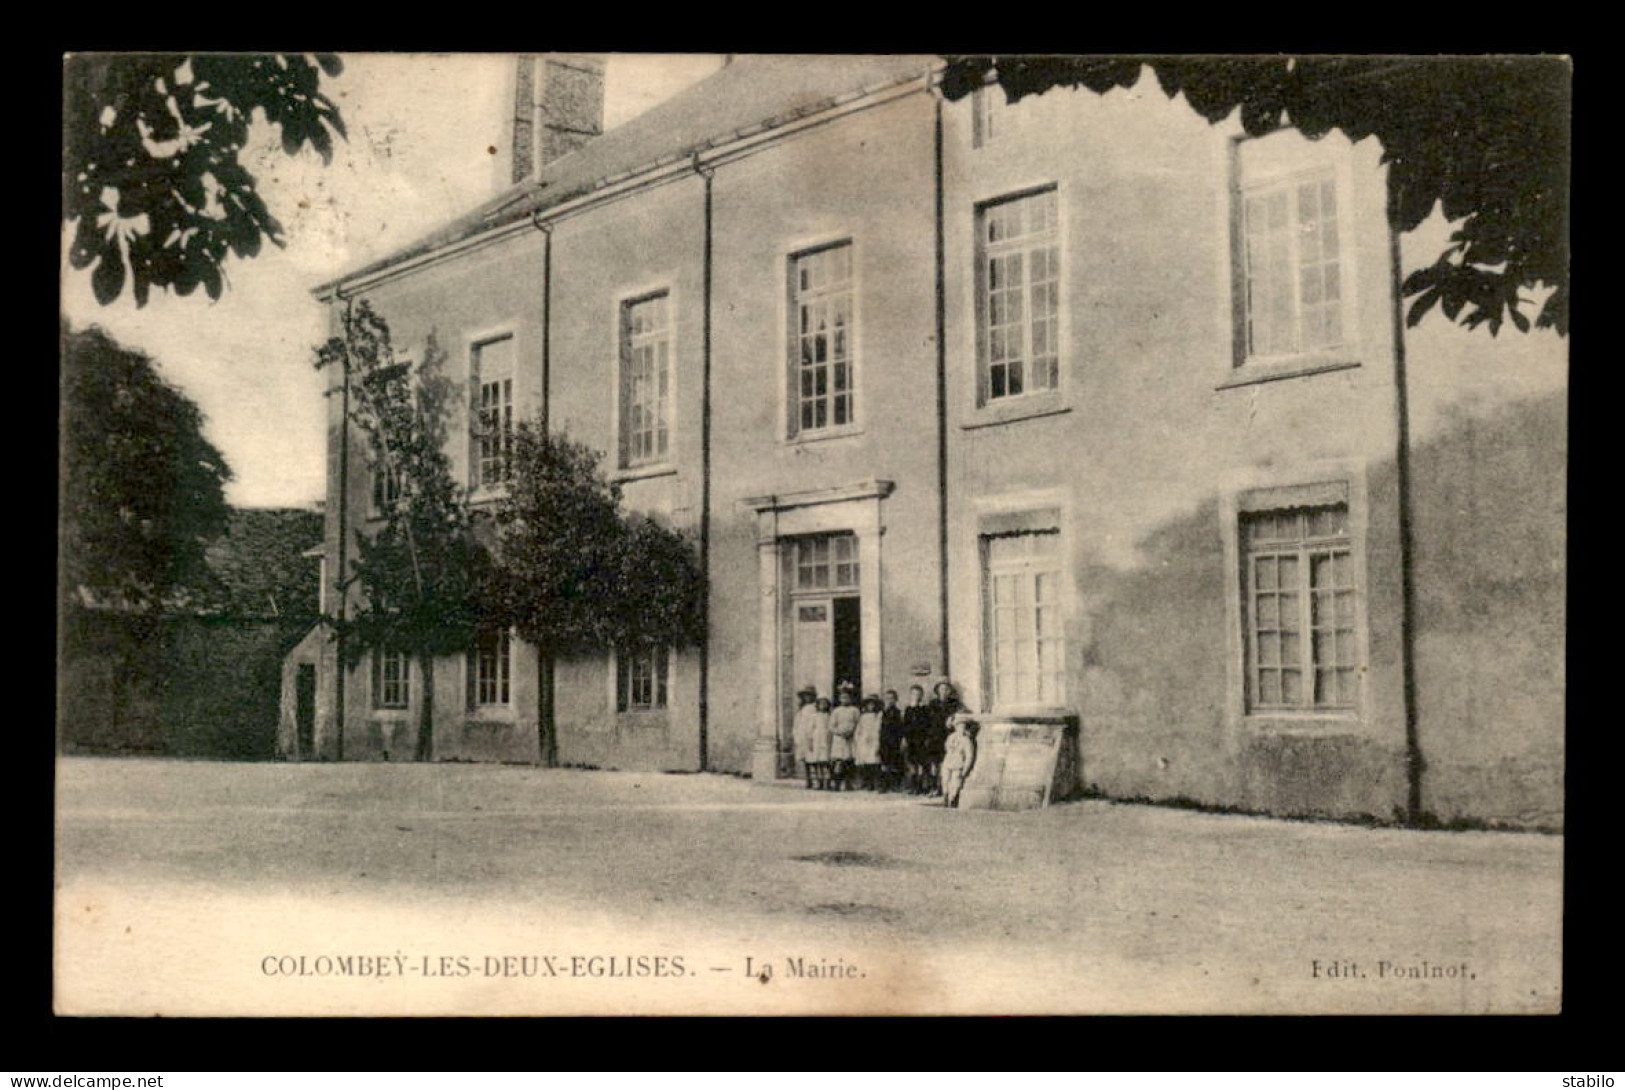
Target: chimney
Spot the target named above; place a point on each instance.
(558, 106)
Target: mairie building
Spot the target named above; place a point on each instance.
(1107, 414)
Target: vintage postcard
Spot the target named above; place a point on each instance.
(644, 534)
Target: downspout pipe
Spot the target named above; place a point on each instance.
(707, 174)
(343, 579)
(1415, 761)
(548, 743)
(941, 335)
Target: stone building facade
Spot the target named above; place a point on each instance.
(1101, 411)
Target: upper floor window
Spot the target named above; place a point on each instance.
(391, 679)
(1299, 593)
(827, 562)
(1018, 284)
(645, 380)
(993, 114)
(490, 662)
(640, 679)
(1291, 281)
(386, 484)
(493, 366)
(1025, 641)
(821, 377)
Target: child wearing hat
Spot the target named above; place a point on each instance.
(819, 744)
(959, 756)
(866, 743)
(801, 731)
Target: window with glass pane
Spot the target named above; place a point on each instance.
(493, 422)
(1019, 266)
(1026, 652)
(386, 484)
(827, 563)
(1301, 633)
(391, 681)
(994, 114)
(491, 668)
(821, 377)
(640, 679)
(645, 380)
(1291, 279)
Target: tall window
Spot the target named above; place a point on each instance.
(391, 679)
(1018, 277)
(1290, 279)
(827, 563)
(1300, 595)
(1026, 653)
(386, 484)
(493, 421)
(821, 379)
(640, 679)
(645, 380)
(490, 668)
(994, 115)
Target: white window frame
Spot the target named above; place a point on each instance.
(501, 680)
(478, 457)
(1029, 570)
(382, 698)
(994, 116)
(1333, 165)
(1266, 644)
(656, 660)
(1027, 244)
(625, 344)
(803, 551)
(795, 296)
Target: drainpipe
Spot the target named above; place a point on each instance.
(942, 382)
(344, 518)
(707, 174)
(548, 743)
(1415, 762)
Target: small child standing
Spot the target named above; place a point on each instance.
(916, 738)
(818, 743)
(959, 757)
(891, 743)
(843, 724)
(801, 732)
(866, 744)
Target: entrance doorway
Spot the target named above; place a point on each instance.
(826, 638)
(304, 711)
(828, 643)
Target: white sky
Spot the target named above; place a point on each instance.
(419, 129)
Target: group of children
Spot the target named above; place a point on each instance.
(926, 748)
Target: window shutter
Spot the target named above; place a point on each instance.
(621, 680)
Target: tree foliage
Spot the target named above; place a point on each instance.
(577, 571)
(152, 177)
(422, 573)
(142, 491)
(1485, 137)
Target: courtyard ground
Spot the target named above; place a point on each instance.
(187, 888)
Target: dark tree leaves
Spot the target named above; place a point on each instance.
(142, 491)
(577, 573)
(1486, 138)
(152, 182)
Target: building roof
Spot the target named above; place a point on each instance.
(754, 93)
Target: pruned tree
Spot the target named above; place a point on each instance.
(1484, 138)
(580, 573)
(422, 574)
(153, 181)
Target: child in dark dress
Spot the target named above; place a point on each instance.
(944, 703)
(891, 743)
(916, 738)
